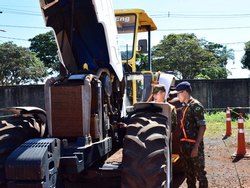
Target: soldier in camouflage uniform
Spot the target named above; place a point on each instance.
(193, 127)
(159, 93)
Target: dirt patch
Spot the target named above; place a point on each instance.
(223, 170)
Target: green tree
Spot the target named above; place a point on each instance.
(142, 62)
(18, 65)
(246, 57)
(45, 47)
(189, 58)
(220, 52)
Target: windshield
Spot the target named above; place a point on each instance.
(126, 34)
(142, 87)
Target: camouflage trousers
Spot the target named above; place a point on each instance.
(194, 167)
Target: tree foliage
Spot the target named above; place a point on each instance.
(246, 57)
(19, 66)
(45, 47)
(142, 62)
(189, 58)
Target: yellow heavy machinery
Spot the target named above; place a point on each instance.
(134, 25)
(98, 98)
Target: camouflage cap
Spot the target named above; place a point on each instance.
(158, 87)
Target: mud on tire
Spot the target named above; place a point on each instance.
(144, 151)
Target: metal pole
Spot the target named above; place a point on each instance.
(149, 49)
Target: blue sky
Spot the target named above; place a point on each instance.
(219, 21)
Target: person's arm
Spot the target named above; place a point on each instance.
(200, 135)
(173, 119)
(201, 123)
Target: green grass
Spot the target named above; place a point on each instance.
(216, 125)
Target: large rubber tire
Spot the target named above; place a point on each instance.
(14, 131)
(145, 152)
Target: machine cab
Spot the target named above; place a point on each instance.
(134, 25)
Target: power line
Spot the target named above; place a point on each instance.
(18, 11)
(22, 26)
(208, 28)
(199, 16)
(175, 29)
(12, 38)
(160, 15)
(22, 12)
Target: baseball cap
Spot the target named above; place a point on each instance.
(158, 87)
(184, 86)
